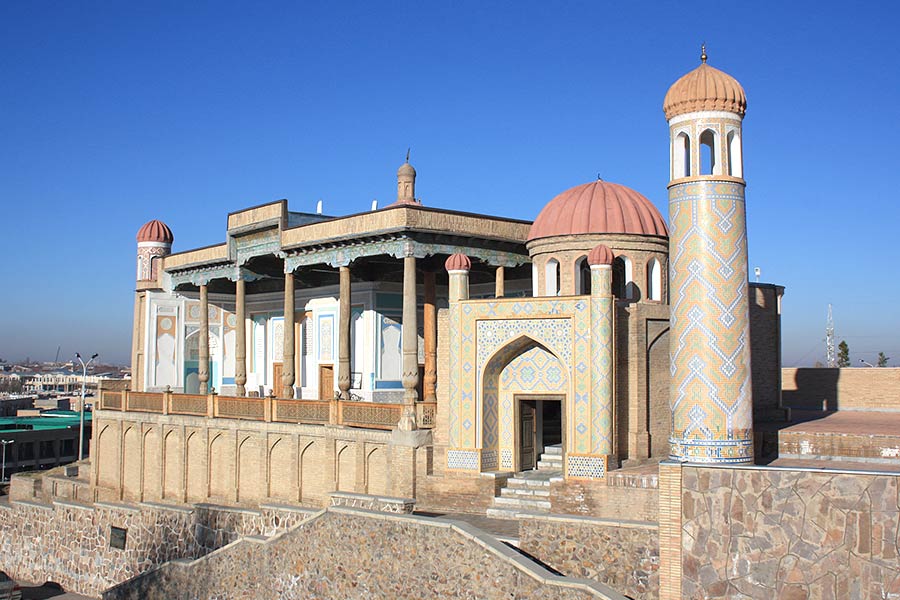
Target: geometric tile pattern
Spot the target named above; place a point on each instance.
(710, 344)
(466, 460)
(602, 374)
(586, 467)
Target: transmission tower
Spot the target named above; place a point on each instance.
(830, 357)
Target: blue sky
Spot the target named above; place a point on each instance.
(115, 113)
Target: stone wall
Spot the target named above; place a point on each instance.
(622, 554)
(350, 553)
(70, 543)
(842, 389)
(757, 532)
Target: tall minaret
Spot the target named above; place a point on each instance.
(154, 242)
(710, 327)
(154, 239)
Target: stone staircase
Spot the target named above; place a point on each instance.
(529, 491)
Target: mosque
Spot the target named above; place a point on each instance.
(415, 348)
(607, 381)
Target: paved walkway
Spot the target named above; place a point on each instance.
(847, 421)
(500, 528)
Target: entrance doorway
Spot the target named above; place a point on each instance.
(540, 425)
(326, 382)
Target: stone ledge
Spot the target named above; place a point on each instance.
(374, 503)
(583, 520)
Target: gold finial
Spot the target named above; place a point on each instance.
(407, 155)
(703, 53)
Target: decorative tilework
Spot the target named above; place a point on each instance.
(506, 459)
(602, 374)
(585, 467)
(488, 460)
(555, 334)
(711, 395)
(466, 460)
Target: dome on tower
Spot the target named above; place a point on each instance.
(155, 231)
(406, 169)
(601, 255)
(598, 207)
(705, 88)
(458, 262)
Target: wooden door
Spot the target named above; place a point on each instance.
(326, 382)
(276, 380)
(526, 435)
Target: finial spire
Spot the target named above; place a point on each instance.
(407, 155)
(703, 53)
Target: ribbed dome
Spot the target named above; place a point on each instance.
(598, 207)
(705, 88)
(406, 169)
(601, 255)
(155, 231)
(458, 262)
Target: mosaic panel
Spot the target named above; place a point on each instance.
(466, 460)
(711, 395)
(585, 467)
(488, 459)
(506, 459)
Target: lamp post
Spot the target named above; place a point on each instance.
(84, 367)
(3, 472)
(867, 363)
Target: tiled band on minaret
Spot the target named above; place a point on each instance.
(709, 341)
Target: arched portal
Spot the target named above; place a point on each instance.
(524, 392)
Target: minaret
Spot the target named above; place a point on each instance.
(708, 281)
(154, 240)
(406, 183)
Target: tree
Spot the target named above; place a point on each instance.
(882, 359)
(843, 354)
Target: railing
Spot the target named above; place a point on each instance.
(369, 414)
(301, 411)
(351, 413)
(145, 402)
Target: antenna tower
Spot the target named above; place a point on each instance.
(830, 357)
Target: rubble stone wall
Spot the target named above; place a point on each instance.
(70, 543)
(775, 533)
(621, 554)
(352, 553)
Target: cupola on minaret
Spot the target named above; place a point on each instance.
(154, 240)
(710, 328)
(406, 183)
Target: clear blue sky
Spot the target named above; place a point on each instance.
(113, 113)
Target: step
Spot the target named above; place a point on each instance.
(526, 492)
(553, 450)
(521, 503)
(545, 465)
(517, 483)
(511, 513)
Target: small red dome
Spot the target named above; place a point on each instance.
(598, 207)
(155, 231)
(458, 262)
(705, 88)
(601, 255)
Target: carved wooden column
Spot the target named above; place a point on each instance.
(240, 337)
(410, 338)
(499, 283)
(344, 335)
(203, 367)
(430, 326)
(287, 359)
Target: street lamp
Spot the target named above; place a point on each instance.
(3, 472)
(81, 411)
(866, 363)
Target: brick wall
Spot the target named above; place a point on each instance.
(621, 554)
(350, 553)
(842, 389)
(597, 499)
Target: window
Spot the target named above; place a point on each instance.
(654, 280)
(551, 278)
(26, 451)
(735, 166)
(681, 156)
(582, 276)
(46, 449)
(708, 165)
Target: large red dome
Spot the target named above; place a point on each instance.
(155, 231)
(598, 207)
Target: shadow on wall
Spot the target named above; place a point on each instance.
(812, 389)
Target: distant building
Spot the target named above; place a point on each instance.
(42, 442)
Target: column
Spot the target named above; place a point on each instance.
(203, 368)
(287, 360)
(499, 282)
(240, 338)
(602, 348)
(430, 315)
(410, 339)
(344, 335)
